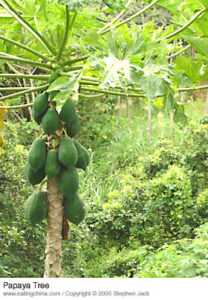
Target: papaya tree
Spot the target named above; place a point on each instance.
(68, 62)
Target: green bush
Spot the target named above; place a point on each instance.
(182, 259)
(154, 200)
(22, 246)
(166, 214)
(185, 258)
(124, 263)
(154, 211)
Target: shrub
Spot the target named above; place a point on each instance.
(22, 248)
(182, 259)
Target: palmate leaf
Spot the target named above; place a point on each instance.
(195, 70)
(124, 44)
(114, 4)
(117, 72)
(73, 5)
(179, 114)
(200, 44)
(151, 84)
(204, 2)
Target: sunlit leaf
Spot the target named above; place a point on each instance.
(200, 44)
(151, 85)
(66, 86)
(114, 4)
(116, 71)
(73, 5)
(179, 115)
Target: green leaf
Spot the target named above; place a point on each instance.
(195, 70)
(67, 86)
(169, 101)
(201, 45)
(179, 115)
(114, 4)
(151, 85)
(204, 2)
(73, 5)
(123, 44)
(117, 72)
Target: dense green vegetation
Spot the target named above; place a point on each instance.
(147, 209)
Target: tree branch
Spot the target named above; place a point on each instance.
(30, 90)
(14, 89)
(26, 48)
(111, 92)
(73, 68)
(72, 61)
(184, 27)
(204, 87)
(132, 17)
(102, 30)
(17, 106)
(38, 77)
(26, 61)
(179, 52)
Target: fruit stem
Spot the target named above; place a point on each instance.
(64, 130)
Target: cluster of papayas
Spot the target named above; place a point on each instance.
(58, 156)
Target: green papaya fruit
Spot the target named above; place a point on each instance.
(74, 209)
(36, 207)
(40, 104)
(68, 182)
(73, 128)
(68, 112)
(67, 153)
(33, 177)
(37, 155)
(52, 166)
(36, 118)
(83, 156)
(50, 121)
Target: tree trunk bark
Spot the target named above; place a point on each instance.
(54, 231)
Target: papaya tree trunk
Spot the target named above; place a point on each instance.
(53, 250)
